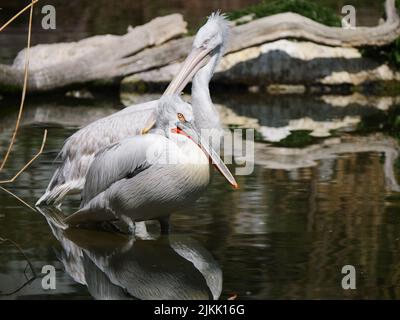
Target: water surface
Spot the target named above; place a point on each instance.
(322, 195)
(300, 217)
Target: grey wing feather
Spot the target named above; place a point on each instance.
(105, 131)
(78, 150)
(121, 160)
(113, 165)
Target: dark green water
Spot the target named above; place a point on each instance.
(286, 233)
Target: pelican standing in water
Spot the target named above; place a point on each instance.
(79, 150)
(149, 176)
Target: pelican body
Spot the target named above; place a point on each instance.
(79, 150)
(150, 176)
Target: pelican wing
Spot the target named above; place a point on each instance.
(103, 132)
(121, 160)
(78, 150)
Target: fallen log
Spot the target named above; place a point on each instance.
(58, 65)
(113, 61)
(292, 25)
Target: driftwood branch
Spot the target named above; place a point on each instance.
(18, 198)
(106, 58)
(292, 25)
(29, 162)
(17, 124)
(17, 15)
(25, 81)
(29, 263)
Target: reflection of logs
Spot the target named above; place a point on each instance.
(256, 114)
(279, 110)
(59, 114)
(293, 158)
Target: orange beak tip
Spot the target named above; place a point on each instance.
(236, 186)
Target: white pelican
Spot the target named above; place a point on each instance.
(150, 176)
(78, 151)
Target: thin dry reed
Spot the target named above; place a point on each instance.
(21, 107)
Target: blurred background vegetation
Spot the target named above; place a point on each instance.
(79, 19)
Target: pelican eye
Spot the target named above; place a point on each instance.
(181, 117)
(206, 43)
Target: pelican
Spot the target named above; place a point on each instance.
(79, 150)
(148, 177)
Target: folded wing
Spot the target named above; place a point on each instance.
(121, 160)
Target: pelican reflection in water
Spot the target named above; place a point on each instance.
(115, 266)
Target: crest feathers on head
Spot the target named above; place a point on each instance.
(222, 20)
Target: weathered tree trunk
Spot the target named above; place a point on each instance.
(292, 25)
(57, 65)
(105, 58)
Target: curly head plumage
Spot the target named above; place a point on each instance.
(214, 33)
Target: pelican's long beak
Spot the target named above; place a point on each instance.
(197, 59)
(190, 130)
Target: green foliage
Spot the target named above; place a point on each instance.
(313, 11)
(388, 88)
(394, 53)
(372, 123)
(393, 50)
(397, 163)
(393, 123)
(297, 139)
(389, 53)
(383, 121)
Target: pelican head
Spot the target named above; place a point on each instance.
(171, 108)
(213, 36)
(209, 44)
(175, 118)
